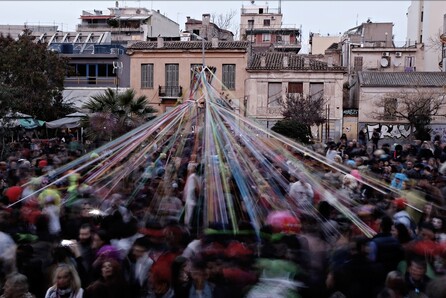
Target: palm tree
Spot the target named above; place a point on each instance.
(115, 113)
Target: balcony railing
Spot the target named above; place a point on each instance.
(106, 27)
(96, 81)
(170, 91)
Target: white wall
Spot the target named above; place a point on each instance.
(430, 29)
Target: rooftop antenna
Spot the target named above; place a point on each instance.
(357, 16)
(280, 6)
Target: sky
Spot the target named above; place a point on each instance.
(324, 17)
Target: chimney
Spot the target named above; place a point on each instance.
(214, 42)
(306, 63)
(206, 19)
(188, 19)
(285, 61)
(263, 61)
(160, 41)
(330, 61)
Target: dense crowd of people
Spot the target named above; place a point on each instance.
(67, 242)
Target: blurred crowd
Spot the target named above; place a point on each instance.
(67, 241)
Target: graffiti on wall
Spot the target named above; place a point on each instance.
(392, 131)
(441, 131)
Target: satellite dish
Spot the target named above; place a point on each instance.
(384, 62)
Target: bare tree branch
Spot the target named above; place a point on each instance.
(417, 105)
(307, 110)
(226, 21)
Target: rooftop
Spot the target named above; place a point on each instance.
(188, 45)
(274, 61)
(402, 79)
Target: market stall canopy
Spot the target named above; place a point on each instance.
(69, 121)
(17, 119)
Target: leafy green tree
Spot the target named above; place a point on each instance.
(301, 112)
(31, 78)
(115, 113)
(293, 130)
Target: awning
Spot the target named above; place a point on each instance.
(30, 123)
(66, 122)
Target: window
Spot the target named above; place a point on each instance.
(409, 61)
(357, 64)
(193, 69)
(296, 87)
(274, 94)
(422, 15)
(250, 24)
(229, 76)
(266, 37)
(390, 106)
(172, 75)
(279, 38)
(316, 91)
(266, 22)
(146, 75)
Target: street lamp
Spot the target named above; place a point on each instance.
(202, 46)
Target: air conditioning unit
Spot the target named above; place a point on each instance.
(398, 54)
(386, 54)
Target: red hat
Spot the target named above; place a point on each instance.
(42, 163)
(161, 270)
(13, 193)
(284, 222)
(237, 249)
(400, 203)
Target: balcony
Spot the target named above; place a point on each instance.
(105, 27)
(170, 91)
(287, 46)
(90, 81)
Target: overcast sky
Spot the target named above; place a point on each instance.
(325, 17)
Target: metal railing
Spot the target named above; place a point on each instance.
(88, 81)
(170, 91)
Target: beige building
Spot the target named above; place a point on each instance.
(375, 88)
(273, 75)
(388, 59)
(128, 24)
(161, 70)
(319, 44)
(206, 29)
(264, 28)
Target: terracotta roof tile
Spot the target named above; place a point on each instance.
(400, 79)
(274, 61)
(188, 45)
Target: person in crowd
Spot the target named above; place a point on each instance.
(415, 277)
(181, 281)
(66, 283)
(85, 245)
(191, 193)
(111, 283)
(384, 250)
(16, 286)
(136, 267)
